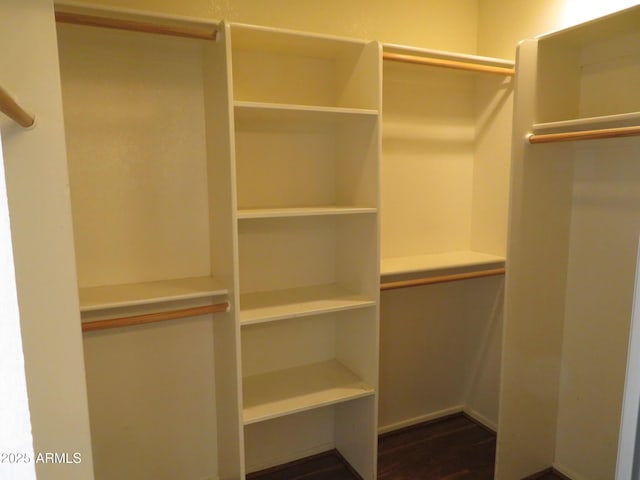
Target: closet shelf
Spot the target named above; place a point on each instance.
(259, 307)
(147, 318)
(270, 112)
(148, 293)
(284, 392)
(588, 128)
(449, 262)
(301, 212)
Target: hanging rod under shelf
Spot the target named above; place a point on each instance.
(439, 62)
(15, 112)
(154, 317)
(135, 25)
(441, 279)
(600, 133)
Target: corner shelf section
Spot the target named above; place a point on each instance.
(293, 390)
(259, 307)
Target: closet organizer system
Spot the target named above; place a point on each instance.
(231, 170)
(573, 242)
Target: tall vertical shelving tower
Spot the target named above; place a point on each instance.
(306, 148)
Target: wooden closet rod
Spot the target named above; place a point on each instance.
(441, 279)
(134, 26)
(10, 108)
(154, 317)
(439, 62)
(585, 134)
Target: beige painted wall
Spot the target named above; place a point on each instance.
(503, 23)
(444, 25)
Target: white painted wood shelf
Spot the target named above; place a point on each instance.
(256, 213)
(274, 112)
(147, 293)
(451, 262)
(274, 394)
(259, 307)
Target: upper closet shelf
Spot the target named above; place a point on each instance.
(606, 126)
(270, 306)
(301, 212)
(437, 58)
(148, 293)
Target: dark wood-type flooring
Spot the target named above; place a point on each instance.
(451, 448)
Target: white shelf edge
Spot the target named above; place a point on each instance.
(256, 213)
(300, 389)
(149, 293)
(451, 262)
(445, 55)
(299, 302)
(604, 121)
(297, 108)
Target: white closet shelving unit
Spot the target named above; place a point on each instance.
(151, 201)
(444, 179)
(234, 171)
(306, 143)
(575, 220)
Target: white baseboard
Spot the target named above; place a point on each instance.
(568, 473)
(491, 425)
(478, 417)
(420, 419)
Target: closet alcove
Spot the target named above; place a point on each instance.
(444, 179)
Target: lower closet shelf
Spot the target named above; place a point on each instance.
(284, 392)
(449, 262)
(281, 304)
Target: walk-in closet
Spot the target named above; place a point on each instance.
(249, 246)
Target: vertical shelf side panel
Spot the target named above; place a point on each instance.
(359, 266)
(224, 254)
(541, 183)
(356, 435)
